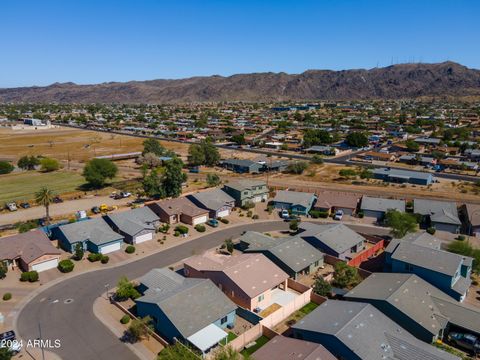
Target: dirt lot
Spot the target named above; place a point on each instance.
(64, 143)
(318, 177)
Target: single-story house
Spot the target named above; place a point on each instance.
(358, 331)
(442, 215)
(403, 176)
(137, 225)
(287, 348)
(293, 255)
(250, 280)
(471, 218)
(179, 209)
(322, 149)
(30, 251)
(414, 304)
(94, 235)
(331, 201)
(247, 191)
(428, 141)
(378, 156)
(420, 254)
(193, 311)
(216, 201)
(299, 203)
(277, 165)
(333, 239)
(242, 166)
(376, 208)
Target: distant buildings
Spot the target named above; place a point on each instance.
(403, 176)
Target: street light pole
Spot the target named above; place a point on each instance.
(107, 287)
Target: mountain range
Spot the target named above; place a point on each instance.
(400, 81)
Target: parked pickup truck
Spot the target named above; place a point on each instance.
(465, 341)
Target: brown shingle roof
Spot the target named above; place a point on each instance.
(286, 348)
(253, 273)
(180, 205)
(328, 199)
(27, 246)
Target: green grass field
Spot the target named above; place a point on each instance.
(22, 186)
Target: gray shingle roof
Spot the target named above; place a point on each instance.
(337, 237)
(367, 332)
(294, 252)
(133, 221)
(439, 211)
(405, 174)
(95, 230)
(190, 304)
(380, 204)
(294, 197)
(213, 199)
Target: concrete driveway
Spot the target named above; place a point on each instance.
(64, 311)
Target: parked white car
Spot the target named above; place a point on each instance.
(284, 214)
(338, 215)
(12, 206)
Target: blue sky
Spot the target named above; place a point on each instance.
(88, 41)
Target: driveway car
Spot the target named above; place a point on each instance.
(465, 341)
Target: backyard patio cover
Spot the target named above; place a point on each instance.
(207, 337)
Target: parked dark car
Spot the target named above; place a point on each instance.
(465, 341)
(57, 200)
(25, 205)
(96, 210)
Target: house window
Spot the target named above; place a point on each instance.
(315, 263)
(260, 298)
(223, 320)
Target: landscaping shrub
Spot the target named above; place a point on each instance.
(130, 249)
(255, 217)
(200, 228)
(66, 266)
(94, 257)
(176, 233)
(361, 214)
(248, 205)
(431, 230)
(30, 276)
(7, 296)
(225, 221)
(3, 270)
(182, 229)
(460, 237)
(105, 259)
(125, 319)
(249, 214)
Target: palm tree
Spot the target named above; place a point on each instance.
(45, 197)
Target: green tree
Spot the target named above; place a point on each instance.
(5, 353)
(322, 287)
(173, 178)
(464, 248)
(357, 139)
(28, 162)
(3, 270)
(238, 139)
(153, 146)
(152, 184)
(49, 164)
(79, 252)
(313, 137)
(345, 276)
(6, 167)
(150, 160)
(97, 171)
(297, 167)
(293, 225)
(227, 353)
(140, 328)
(196, 155)
(212, 156)
(347, 173)
(178, 351)
(317, 159)
(45, 197)
(412, 145)
(213, 180)
(400, 223)
(126, 290)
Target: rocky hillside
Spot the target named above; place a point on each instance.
(392, 82)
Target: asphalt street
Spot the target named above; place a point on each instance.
(64, 311)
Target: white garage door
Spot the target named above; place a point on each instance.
(223, 213)
(46, 265)
(109, 248)
(141, 238)
(257, 199)
(200, 220)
